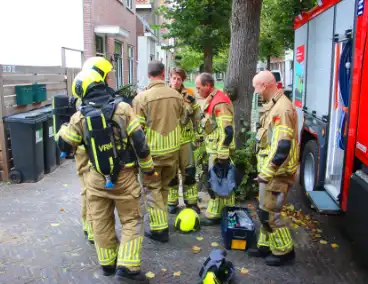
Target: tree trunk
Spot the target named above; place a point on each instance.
(268, 66)
(245, 26)
(208, 59)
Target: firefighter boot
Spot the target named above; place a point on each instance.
(278, 260)
(260, 251)
(161, 235)
(108, 270)
(124, 275)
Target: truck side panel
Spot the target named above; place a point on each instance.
(320, 38)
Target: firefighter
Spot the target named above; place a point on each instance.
(103, 67)
(122, 132)
(277, 155)
(160, 109)
(218, 127)
(186, 154)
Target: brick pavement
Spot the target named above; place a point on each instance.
(34, 251)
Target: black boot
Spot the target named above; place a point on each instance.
(92, 242)
(161, 236)
(124, 275)
(195, 208)
(278, 260)
(260, 251)
(108, 270)
(172, 209)
(85, 233)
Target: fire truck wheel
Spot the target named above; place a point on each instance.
(309, 167)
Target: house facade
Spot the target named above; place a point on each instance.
(110, 31)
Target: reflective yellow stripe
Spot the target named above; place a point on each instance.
(106, 256)
(141, 119)
(146, 164)
(158, 219)
(132, 126)
(163, 145)
(72, 136)
(130, 253)
(173, 198)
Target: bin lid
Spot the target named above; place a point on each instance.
(47, 110)
(30, 117)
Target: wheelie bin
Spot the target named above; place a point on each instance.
(26, 134)
(48, 140)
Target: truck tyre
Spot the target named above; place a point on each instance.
(309, 167)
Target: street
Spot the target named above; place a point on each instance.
(41, 241)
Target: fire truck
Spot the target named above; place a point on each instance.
(330, 93)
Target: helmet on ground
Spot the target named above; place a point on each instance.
(187, 221)
(99, 64)
(85, 81)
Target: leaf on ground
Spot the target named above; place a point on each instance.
(334, 246)
(317, 236)
(65, 185)
(283, 214)
(163, 269)
(319, 231)
(323, 242)
(178, 273)
(290, 208)
(196, 249)
(244, 271)
(294, 226)
(199, 238)
(62, 209)
(150, 275)
(214, 244)
(54, 224)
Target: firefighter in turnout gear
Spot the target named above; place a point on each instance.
(277, 155)
(186, 154)
(112, 136)
(103, 67)
(160, 109)
(218, 127)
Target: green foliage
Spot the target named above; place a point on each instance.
(128, 91)
(202, 25)
(277, 22)
(220, 60)
(244, 158)
(191, 59)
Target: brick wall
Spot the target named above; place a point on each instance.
(110, 12)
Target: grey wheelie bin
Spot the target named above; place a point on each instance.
(26, 134)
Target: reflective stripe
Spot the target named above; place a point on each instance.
(162, 145)
(173, 198)
(263, 240)
(190, 194)
(106, 256)
(141, 119)
(130, 253)
(158, 219)
(71, 136)
(215, 206)
(132, 126)
(146, 164)
(90, 231)
(281, 241)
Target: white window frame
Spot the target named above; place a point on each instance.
(130, 50)
(103, 54)
(129, 4)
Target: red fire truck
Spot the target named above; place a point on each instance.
(330, 92)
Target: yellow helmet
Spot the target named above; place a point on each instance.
(84, 81)
(99, 64)
(187, 221)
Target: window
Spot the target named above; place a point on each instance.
(118, 51)
(100, 46)
(130, 64)
(129, 4)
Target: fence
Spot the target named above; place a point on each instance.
(58, 80)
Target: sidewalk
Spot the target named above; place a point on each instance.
(41, 241)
